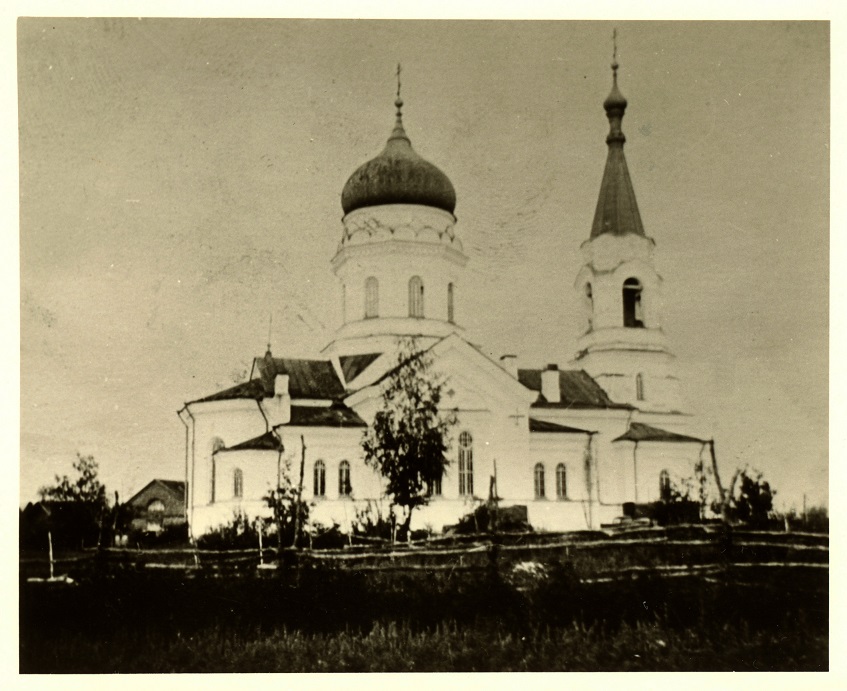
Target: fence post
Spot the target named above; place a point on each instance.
(50, 552)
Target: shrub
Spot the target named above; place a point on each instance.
(239, 533)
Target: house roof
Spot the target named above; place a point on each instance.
(176, 487)
(545, 426)
(353, 365)
(638, 431)
(577, 390)
(264, 442)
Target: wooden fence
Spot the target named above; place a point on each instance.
(593, 556)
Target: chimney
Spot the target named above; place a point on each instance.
(282, 399)
(510, 364)
(550, 384)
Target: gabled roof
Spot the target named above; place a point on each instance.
(175, 487)
(638, 431)
(265, 442)
(353, 365)
(306, 378)
(337, 415)
(577, 390)
(544, 426)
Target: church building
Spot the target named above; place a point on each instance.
(573, 443)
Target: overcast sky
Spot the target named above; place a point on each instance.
(180, 181)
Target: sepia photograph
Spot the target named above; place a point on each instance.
(394, 345)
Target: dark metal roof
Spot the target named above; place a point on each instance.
(398, 176)
(265, 442)
(337, 415)
(353, 365)
(253, 389)
(617, 211)
(577, 390)
(306, 378)
(638, 431)
(544, 426)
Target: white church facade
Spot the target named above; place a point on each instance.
(573, 444)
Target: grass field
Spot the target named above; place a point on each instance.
(449, 647)
(326, 619)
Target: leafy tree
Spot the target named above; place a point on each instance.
(86, 488)
(285, 502)
(86, 498)
(753, 501)
(408, 440)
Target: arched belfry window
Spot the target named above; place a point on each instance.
(639, 387)
(237, 483)
(561, 481)
(539, 481)
(451, 296)
(320, 479)
(344, 488)
(416, 297)
(632, 312)
(371, 298)
(465, 464)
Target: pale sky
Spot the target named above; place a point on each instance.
(181, 179)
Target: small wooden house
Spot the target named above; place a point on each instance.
(158, 505)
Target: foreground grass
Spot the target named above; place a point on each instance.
(389, 647)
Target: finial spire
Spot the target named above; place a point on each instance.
(398, 132)
(615, 52)
(615, 104)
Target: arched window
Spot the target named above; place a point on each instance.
(451, 295)
(561, 481)
(433, 489)
(320, 479)
(664, 486)
(416, 297)
(639, 387)
(632, 314)
(371, 298)
(344, 488)
(539, 481)
(589, 299)
(465, 464)
(217, 445)
(237, 483)
(155, 515)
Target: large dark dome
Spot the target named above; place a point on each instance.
(398, 176)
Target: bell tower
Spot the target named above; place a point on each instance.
(624, 347)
